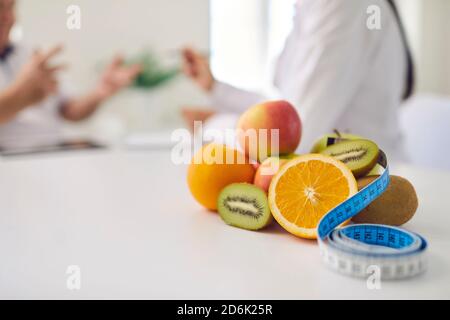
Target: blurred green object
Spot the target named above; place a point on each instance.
(153, 74)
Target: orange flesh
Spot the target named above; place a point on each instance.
(308, 190)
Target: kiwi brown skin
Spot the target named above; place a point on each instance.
(396, 206)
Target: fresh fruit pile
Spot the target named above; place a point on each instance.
(296, 190)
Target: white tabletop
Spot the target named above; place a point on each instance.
(128, 221)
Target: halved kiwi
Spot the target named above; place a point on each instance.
(359, 155)
(244, 206)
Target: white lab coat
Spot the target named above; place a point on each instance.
(337, 73)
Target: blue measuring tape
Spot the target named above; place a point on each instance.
(356, 250)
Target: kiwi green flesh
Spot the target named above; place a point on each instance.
(244, 206)
(360, 156)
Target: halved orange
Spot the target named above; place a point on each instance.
(305, 189)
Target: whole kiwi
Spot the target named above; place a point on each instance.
(396, 206)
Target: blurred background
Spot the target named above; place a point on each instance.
(243, 39)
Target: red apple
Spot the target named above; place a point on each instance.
(257, 142)
(266, 171)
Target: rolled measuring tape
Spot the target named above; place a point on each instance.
(356, 250)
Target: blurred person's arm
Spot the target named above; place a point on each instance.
(225, 98)
(35, 82)
(115, 77)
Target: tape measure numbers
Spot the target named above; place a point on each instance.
(353, 249)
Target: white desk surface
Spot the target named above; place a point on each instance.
(128, 220)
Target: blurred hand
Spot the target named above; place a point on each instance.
(190, 115)
(37, 79)
(116, 76)
(196, 67)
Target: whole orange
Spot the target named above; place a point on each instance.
(213, 168)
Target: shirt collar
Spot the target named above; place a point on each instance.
(6, 53)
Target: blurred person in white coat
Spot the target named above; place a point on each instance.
(338, 72)
(32, 101)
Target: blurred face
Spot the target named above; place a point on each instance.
(7, 20)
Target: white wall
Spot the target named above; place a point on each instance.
(435, 43)
(428, 28)
(238, 41)
(110, 26)
(246, 39)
